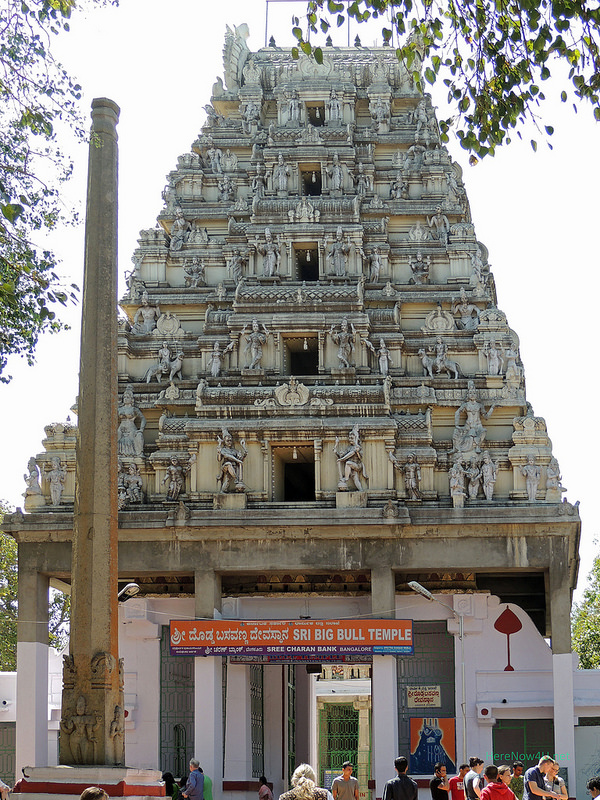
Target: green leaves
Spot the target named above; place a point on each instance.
(492, 55)
(585, 622)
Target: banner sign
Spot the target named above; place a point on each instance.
(423, 696)
(291, 640)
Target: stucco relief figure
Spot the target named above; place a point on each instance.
(439, 222)
(271, 253)
(250, 115)
(226, 189)
(468, 312)
(350, 463)
(420, 118)
(473, 474)
(81, 731)
(294, 108)
(399, 187)
(553, 476)
(229, 161)
(163, 365)
(214, 155)
(337, 257)
(132, 484)
(380, 113)
(255, 340)
(259, 182)
(411, 473)
(375, 263)
(493, 353)
(231, 462)
(194, 272)
(56, 477)
(217, 358)
(440, 363)
(345, 340)
(281, 174)
(32, 479)
(175, 477)
(336, 174)
(382, 354)
(130, 438)
(235, 266)
(470, 437)
(335, 107)
(489, 473)
(180, 231)
(361, 180)
(514, 372)
(531, 472)
(456, 477)
(117, 733)
(146, 317)
(419, 267)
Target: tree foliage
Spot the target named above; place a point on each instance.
(585, 622)
(36, 97)
(58, 612)
(493, 56)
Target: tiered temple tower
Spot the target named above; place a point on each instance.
(319, 396)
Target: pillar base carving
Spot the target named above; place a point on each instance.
(350, 499)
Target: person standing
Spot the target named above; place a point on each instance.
(534, 781)
(473, 780)
(593, 786)
(497, 789)
(401, 787)
(457, 784)
(194, 787)
(516, 782)
(439, 785)
(554, 782)
(264, 793)
(345, 787)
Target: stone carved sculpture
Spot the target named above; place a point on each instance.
(281, 174)
(411, 472)
(56, 477)
(250, 113)
(259, 183)
(375, 263)
(439, 222)
(345, 340)
(180, 231)
(305, 211)
(214, 155)
(145, 317)
(80, 728)
(456, 477)
(361, 181)
(163, 366)
(382, 354)
(514, 373)
(417, 233)
(489, 473)
(470, 437)
(175, 476)
(236, 266)
(117, 734)
(231, 462)
(439, 321)
(380, 113)
(554, 487)
(334, 106)
(32, 479)
(420, 119)
(130, 438)
(194, 273)
(350, 463)
(294, 108)
(419, 267)
(336, 174)
(440, 363)
(337, 257)
(217, 357)
(292, 393)
(468, 312)
(531, 472)
(399, 187)
(473, 474)
(229, 161)
(493, 353)
(255, 341)
(271, 253)
(226, 187)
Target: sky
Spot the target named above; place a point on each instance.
(537, 213)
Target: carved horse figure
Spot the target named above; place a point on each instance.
(433, 364)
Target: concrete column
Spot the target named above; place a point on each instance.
(208, 687)
(383, 593)
(384, 699)
(32, 673)
(238, 733)
(363, 706)
(560, 602)
(564, 718)
(92, 684)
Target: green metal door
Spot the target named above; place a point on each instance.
(338, 737)
(176, 709)
(7, 752)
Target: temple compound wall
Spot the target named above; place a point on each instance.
(320, 401)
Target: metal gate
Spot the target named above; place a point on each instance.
(338, 737)
(7, 752)
(176, 709)
(290, 672)
(256, 720)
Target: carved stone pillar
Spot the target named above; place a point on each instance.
(363, 706)
(92, 723)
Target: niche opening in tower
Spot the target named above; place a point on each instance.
(315, 114)
(310, 180)
(302, 356)
(307, 263)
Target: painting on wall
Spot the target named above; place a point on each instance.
(432, 740)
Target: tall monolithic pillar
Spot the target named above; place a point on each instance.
(92, 705)
(32, 660)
